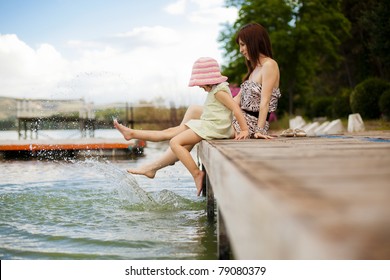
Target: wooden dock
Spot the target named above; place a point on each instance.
(301, 198)
(73, 148)
(32, 113)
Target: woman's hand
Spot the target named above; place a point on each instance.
(258, 135)
(244, 134)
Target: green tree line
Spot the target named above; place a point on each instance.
(325, 50)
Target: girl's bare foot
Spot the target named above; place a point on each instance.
(150, 173)
(126, 132)
(199, 182)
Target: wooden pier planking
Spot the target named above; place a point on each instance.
(303, 198)
(79, 144)
(82, 146)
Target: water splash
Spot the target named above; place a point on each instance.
(124, 183)
(131, 194)
(169, 200)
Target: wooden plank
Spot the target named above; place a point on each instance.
(302, 198)
(51, 147)
(224, 250)
(210, 200)
(71, 145)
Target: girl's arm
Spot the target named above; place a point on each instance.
(227, 100)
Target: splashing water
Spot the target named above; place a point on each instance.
(125, 183)
(129, 191)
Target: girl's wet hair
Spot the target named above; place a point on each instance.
(257, 42)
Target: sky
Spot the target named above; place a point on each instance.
(108, 51)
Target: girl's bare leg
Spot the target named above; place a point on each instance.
(149, 135)
(178, 145)
(168, 158)
(150, 169)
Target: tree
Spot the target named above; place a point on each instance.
(378, 25)
(306, 35)
(366, 52)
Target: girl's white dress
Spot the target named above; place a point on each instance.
(216, 119)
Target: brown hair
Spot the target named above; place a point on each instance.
(257, 41)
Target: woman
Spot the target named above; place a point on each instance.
(257, 98)
(259, 92)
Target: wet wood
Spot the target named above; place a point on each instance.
(78, 144)
(303, 198)
(210, 200)
(58, 148)
(224, 250)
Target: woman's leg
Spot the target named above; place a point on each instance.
(178, 145)
(168, 158)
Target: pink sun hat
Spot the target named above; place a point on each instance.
(206, 72)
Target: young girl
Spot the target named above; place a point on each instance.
(214, 123)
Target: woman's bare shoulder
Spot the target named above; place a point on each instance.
(271, 63)
(271, 72)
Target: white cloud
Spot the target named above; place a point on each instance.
(27, 72)
(213, 15)
(176, 8)
(146, 35)
(79, 44)
(98, 75)
(203, 11)
(208, 3)
(142, 64)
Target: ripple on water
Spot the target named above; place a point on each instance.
(94, 210)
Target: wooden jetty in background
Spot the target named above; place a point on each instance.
(300, 198)
(71, 148)
(31, 113)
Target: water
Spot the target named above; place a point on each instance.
(93, 209)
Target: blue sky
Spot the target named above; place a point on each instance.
(58, 21)
(107, 51)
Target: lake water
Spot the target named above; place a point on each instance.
(94, 209)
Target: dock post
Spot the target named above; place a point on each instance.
(210, 200)
(207, 191)
(222, 239)
(19, 129)
(93, 127)
(25, 129)
(201, 167)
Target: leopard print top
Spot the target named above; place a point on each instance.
(250, 101)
